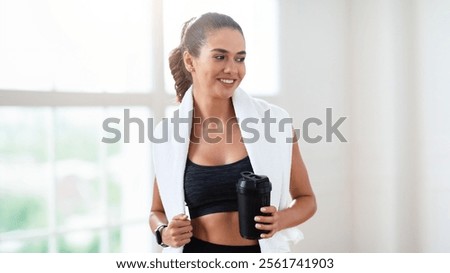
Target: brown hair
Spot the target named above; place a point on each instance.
(193, 37)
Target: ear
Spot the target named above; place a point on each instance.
(188, 61)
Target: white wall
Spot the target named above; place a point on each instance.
(313, 50)
(385, 66)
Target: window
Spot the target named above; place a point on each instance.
(65, 190)
(66, 46)
(63, 71)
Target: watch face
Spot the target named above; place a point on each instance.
(159, 236)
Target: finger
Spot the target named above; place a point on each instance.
(263, 227)
(178, 239)
(186, 235)
(181, 237)
(269, 209)
(267, 235)
(181, 242)
(181, 230)
(264, 219)
(186, 229)
(179, 224)
(180, 216)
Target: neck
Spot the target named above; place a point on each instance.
(206, 107)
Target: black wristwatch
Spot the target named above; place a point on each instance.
(158, 233)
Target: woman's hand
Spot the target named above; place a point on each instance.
(303, 205)
(269, 223)
(178, 232)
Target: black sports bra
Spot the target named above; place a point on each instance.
(211, 189)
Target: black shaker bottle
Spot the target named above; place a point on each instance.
(253, 192)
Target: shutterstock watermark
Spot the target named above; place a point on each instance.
(213, 128)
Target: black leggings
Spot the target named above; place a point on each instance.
(200, 246)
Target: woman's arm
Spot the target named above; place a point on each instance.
(303, 205)
(178, 231)
(157, 213)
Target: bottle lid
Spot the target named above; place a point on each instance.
(250, 182)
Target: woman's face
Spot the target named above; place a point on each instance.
(220, 67)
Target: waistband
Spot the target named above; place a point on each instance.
(199, 246)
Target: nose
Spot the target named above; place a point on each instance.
(231, 67)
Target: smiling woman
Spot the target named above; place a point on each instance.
(208, 67)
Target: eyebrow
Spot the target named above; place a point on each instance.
(221, 50)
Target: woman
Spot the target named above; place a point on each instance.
(201, 171)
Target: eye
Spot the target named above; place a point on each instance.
(219, 57)
(240, 60)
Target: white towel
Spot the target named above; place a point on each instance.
(267, 145)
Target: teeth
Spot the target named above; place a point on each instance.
(226, 81)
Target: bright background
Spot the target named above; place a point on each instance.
(67, 65)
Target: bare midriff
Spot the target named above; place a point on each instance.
(220, 228)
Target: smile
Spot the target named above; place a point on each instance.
(227, 81)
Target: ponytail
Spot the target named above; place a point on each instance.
(183, 79)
